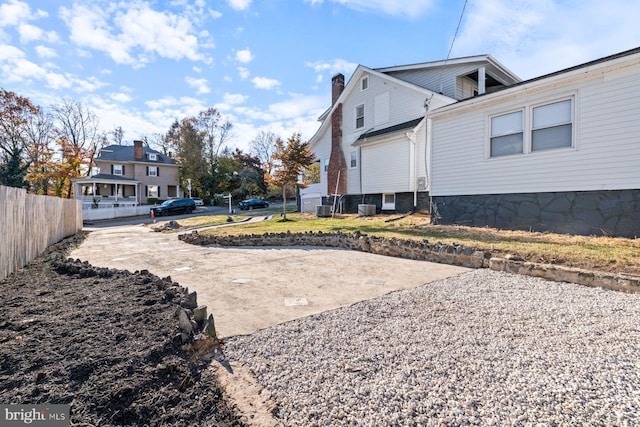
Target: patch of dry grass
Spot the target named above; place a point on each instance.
(608, 254)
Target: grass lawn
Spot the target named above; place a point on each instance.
(608, 254)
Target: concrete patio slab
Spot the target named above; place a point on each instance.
(247, 288)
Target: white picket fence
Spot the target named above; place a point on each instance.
(102, 213)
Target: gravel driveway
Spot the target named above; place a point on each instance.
(481, 348)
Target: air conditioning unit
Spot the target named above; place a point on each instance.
(366, 210)
(323, 211)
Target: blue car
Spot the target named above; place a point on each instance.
(252, 204)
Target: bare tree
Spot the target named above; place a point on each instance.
(41, 136)
(78, 134)
(263, 146)
(215, 132)
(117, 133)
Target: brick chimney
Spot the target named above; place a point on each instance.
(337, 172)
(137, 150)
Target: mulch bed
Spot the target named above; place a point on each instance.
(106, 342)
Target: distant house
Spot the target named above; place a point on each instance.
(372, 144)
(560, 152)
(130, 174)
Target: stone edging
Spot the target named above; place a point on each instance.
(424, 251)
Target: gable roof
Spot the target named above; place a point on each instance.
(125, 153)
(601, 65)
(496, 67)
(352, 84)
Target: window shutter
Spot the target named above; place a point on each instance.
(157, 171)
(146, 191)
(111, 169)
(158, 191)
(122, 170)
(147, 170)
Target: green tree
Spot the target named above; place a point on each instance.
(289, 162)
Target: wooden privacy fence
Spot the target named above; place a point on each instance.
(30, 223)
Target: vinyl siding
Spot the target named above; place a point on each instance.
(442, 80)
(386, 167)
(606, 138)
(404, 104)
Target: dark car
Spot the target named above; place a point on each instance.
(252, 204)
(174, 207)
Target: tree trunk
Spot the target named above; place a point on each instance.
(284, 202)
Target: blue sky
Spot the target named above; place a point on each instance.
(267, 65)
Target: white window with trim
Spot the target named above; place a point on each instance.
(552, 126)
(353, 161)
(534, 128)
(152, 156)
(360, 116)
(507, 134)
(364, 83)
(325, 168)
(388, 201)
(118, 169)
(153, 191)
(152, 171)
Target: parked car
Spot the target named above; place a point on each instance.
(252, 204)
(198, 201)
(174, 207)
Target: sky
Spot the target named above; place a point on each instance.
(267, 65)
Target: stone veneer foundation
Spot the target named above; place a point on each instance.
(601, 213)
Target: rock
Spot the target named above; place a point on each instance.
(184, 322)
(191, 301)
(210, 327)
(200, 313)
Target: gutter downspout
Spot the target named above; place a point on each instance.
(411, 137)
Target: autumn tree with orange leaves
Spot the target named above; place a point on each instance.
(15, 113)
(288, 162)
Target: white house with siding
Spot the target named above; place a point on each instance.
(372, 143)
(559, 152)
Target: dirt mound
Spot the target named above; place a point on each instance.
(104, 341)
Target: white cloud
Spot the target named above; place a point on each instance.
(135, 33)
(244, 56)
(234, 98)
(30, 33)
(410, 9)
(120, 97)
(45, 52)
(201, 85)
(535, 37)
(14, 12)
(239, 4)
(244, 73)
(291, 108)
(265, 83)
(333, 66)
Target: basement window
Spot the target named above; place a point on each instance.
(388, 201)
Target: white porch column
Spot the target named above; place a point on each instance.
(482, 76)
